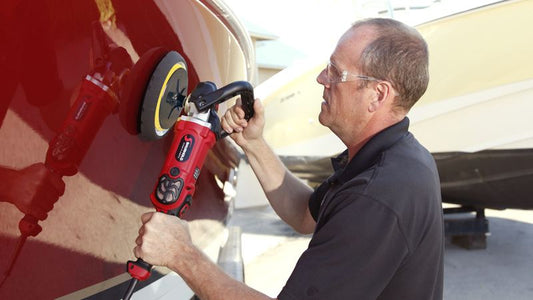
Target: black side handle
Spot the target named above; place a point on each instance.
(204, 100)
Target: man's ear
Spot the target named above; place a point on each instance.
(382, 91)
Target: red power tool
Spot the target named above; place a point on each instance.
(195, 134)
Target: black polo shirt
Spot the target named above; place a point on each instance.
(379, 232)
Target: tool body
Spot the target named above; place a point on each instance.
(194, 135)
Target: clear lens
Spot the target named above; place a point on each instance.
(334, 75)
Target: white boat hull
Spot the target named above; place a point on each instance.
(477, 108)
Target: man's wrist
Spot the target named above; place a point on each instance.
(255, 146)
(181, 258)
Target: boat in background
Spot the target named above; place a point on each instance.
(475, 117)
(52, 52)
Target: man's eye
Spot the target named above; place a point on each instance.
(335, 72)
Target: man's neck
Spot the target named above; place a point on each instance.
(373, 127)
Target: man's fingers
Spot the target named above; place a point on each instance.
(232, 122)
(236, 114)
(258, 107)
(237, 111)
(227, 123)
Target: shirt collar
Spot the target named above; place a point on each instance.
(370, 152)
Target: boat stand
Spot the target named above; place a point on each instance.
(467, 226)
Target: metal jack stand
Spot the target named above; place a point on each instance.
(469, 232)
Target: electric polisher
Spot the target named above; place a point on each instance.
(195, 132)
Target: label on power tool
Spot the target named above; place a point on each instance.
(168, 189)
(185, 148)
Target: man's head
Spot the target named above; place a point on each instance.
(378, 70)
(399, 55)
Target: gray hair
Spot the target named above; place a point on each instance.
(399, 54)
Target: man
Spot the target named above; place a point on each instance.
(377, 221)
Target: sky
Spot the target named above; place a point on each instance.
(311, 26)
(314, 26)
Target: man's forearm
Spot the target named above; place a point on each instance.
(208, 281)
(286, 193)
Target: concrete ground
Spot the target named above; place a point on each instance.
(504, 270)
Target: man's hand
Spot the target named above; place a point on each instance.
(244, 132)
(164, 240)
(33, 190)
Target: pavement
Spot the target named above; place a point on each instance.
(504, 270)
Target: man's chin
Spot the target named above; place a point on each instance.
(322, 119)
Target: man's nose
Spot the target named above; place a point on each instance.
(322, 78)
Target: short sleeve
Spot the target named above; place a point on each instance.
(353, 255)
(316, 199)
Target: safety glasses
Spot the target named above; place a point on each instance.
(335, 75)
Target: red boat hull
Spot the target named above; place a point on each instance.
(48, 48)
